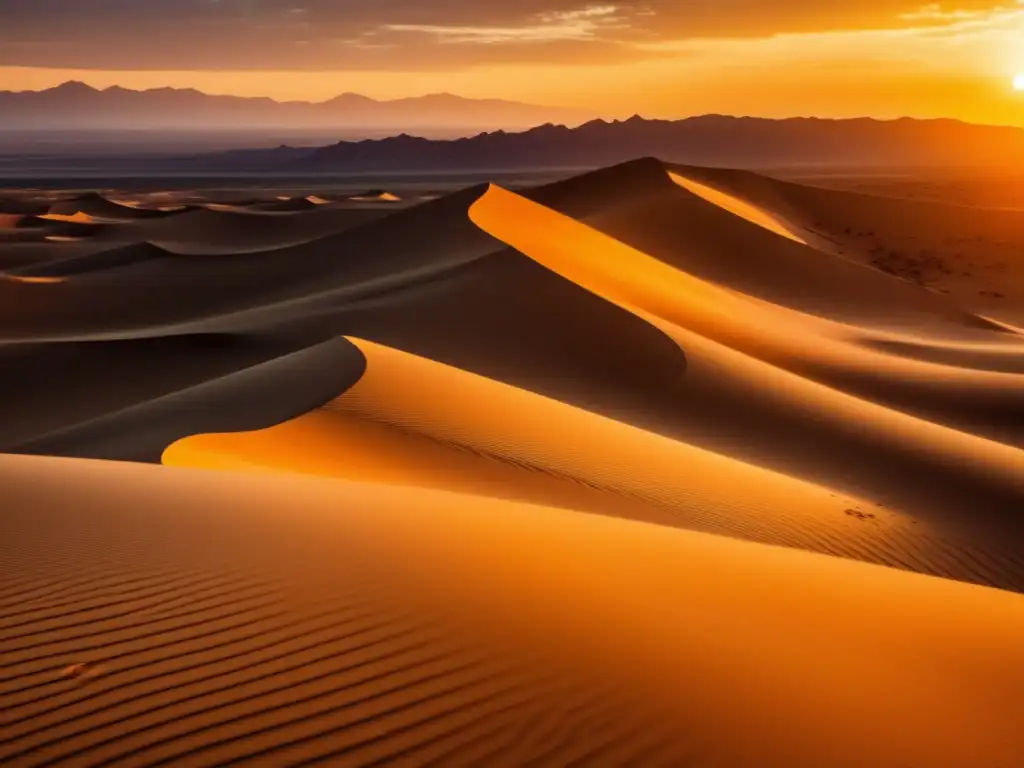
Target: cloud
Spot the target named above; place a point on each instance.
(321, 35)
(584, 23)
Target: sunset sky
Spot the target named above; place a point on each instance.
(659, 58)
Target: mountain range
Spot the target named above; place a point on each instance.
(559, 138)
(75, 105)
(713, 140)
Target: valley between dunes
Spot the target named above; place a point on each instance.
(655, 465)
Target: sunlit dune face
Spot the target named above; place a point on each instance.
(34, 280)
(632, 279)
(76, 218)
(735, 205)
(413, 422)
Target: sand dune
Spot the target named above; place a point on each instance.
(410, 421)
(248, 230)
(95, 206)
(975, 255)
(701, 237)
(246, 393)
(654, 465)
(214, 618)
(221, 284)
(824, 350)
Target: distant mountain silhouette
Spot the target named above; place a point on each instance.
(75, 105)
(707, 140)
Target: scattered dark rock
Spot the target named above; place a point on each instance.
(859, 515)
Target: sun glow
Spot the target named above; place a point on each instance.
(1018, 82)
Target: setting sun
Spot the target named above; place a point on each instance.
(1018, 82)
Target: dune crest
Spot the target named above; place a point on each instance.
(740, 207)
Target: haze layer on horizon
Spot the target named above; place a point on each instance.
(659, 58)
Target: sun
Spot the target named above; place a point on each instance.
(1018, 82)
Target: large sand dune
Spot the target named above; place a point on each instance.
(974, 255)
(214, 618)
(410, 421)
(653, 465)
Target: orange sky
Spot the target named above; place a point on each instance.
(957, 60)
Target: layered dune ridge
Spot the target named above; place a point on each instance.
(650, 466)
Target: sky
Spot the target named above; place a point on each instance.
(657, 58)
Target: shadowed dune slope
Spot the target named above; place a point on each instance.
(243, 231)
(188, 294)
(411, 421)
(563, 342)
(212, 618)
(90, 262)
(604, 189)
(116, 381)
(22, 204)
(260, 395)
(16, 255)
